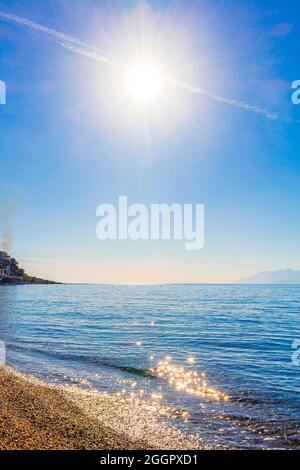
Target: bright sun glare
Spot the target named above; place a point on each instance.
(145, 82)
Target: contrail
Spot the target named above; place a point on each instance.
(65, 40)
(79, 47)
(229, 101)
(92, 54)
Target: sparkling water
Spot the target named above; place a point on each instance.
(217, 357)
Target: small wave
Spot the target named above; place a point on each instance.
(79, 358)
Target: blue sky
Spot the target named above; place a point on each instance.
(70, 140)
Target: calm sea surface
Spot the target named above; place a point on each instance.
(228, 375)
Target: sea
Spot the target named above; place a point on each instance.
(222, 360)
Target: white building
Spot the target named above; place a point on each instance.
(4, 265)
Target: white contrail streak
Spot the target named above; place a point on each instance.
(79, 47)
(91, 54)
(229, 101)
(65, 40)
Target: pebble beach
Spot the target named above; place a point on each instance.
(38, 416)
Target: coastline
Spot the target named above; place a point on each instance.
(38, 416)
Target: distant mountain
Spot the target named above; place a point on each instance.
(284, 276)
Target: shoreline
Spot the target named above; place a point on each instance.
(37, 416)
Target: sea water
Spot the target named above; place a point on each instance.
(218, 357)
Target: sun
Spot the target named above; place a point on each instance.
(145, 82)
